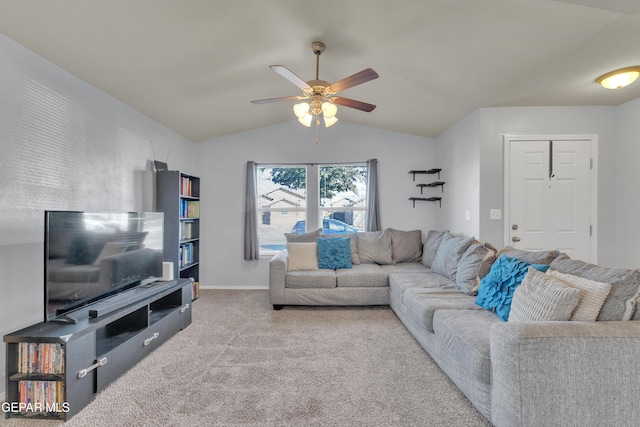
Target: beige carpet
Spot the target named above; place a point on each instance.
(240, 363)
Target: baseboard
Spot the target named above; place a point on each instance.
(238, 288)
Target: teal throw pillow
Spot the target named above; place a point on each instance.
(334, 253)
(496, 288)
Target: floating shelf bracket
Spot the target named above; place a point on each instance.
(426, 199)
(431, 184)
(430, 172)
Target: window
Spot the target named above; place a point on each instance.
(297, 198)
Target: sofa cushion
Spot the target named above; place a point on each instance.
(353, 244)
(406, 267)
(449, 253)
(363, 275)
(543, 297)
(496, 288)
(406, 246)
(430, 247)
(474, 264)
(334, 253)
(532, 257)
(406, 285)
(465, 335)
(423, 305)
(374, 247)
(592, 295)
(324, 278)
(302, 256)
(308, 237)
(625, 284)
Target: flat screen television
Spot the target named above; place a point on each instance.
(91, 255)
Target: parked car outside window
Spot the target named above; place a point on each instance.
(329, 226)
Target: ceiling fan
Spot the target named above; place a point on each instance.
(322, 94)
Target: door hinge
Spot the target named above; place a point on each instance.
(591, 163)
(590, 230)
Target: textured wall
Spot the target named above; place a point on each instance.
(64, 145)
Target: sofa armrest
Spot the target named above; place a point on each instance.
(565, 373)
(277, 274)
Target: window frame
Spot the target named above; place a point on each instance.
(313, 209)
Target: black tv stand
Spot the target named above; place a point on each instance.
(93, 351)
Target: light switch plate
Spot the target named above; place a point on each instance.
(467, 215)
(495, 214)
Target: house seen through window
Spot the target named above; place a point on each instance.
(300, 198)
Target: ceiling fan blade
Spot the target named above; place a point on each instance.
(282, 98)
(356, 79)
(352, 103)
(289, 75)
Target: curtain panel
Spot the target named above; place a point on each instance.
(372, 222)
(251, 246)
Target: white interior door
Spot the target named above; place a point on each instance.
(549, 195)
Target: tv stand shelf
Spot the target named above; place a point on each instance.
(75, 359)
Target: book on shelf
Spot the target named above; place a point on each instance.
(189, 208)
(48, 394)
(196, 291)
(193, 209)
(186, 256)
(40, 358)
(186, 230)
(185, 186)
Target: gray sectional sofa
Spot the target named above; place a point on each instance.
(516, 373)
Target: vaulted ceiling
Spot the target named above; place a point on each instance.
(195, 65)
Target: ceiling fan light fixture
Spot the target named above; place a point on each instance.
(330, 121)
(619, 78)
(301, 110)
(306, 120)
(329, 110)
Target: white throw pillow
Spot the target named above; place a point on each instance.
(542, 297)
(592, 295)
(302, 256)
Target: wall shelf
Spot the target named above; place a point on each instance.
(426, 199)
(429, 172)
(431, 184)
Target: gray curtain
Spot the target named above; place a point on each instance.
(251, 247)
(373, 203)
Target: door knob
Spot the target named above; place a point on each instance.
(515, 239)
(514, 227)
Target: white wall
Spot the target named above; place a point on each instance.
(458, 154)
(63, 145)
(627, 187)
(222, 169)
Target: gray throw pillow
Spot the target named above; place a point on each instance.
(355, 259)
(406, 245)
(449, 253)
(430, 247)
(474, 264)
(532, 257)
(308, 237)
(374, 247)
(620, 304)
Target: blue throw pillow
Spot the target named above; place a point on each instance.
(334, 253)
(496, 288)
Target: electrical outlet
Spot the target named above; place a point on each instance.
(495, 214)
(467, 215)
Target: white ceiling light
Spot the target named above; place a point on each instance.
(619, 78)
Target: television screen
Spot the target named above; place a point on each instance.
(89, 256)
